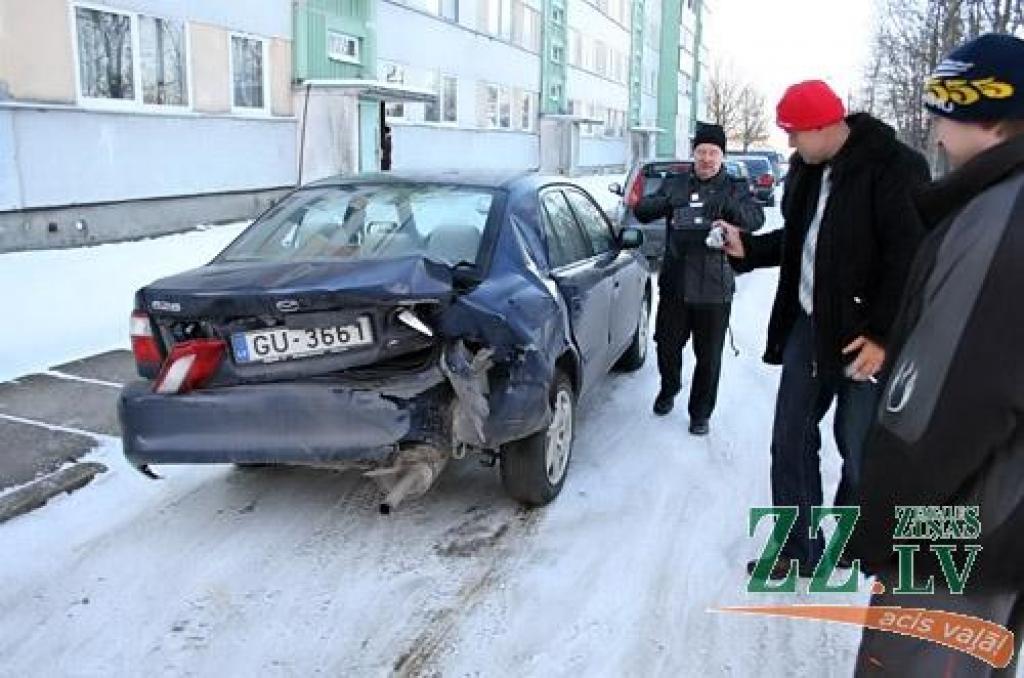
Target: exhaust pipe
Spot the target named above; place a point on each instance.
(409, 477)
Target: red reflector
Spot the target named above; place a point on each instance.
(190, 365)
(765, 180)
(144, 345)
(636, 191)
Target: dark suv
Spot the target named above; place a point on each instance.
(760, 169)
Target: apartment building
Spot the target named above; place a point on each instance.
(140, 116)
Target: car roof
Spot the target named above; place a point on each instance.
(478, 178)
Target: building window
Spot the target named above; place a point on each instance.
(555, 92)
(600, 58)
(525, 111)
(505, 109)
(449, 99)
(557, 54)
(450, 10)
(491, 105)
(342, 47)
(106, 68)
(110, 68)
(447, 106)
(558, 15)
(248, 72)
(496, 17)
(530, 31)
(162, 62)
(393, 73)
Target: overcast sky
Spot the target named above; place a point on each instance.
(774, 43)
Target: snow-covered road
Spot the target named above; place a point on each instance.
(292, 572)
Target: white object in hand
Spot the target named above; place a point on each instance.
(716, 238)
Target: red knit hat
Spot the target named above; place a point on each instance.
(808, 105)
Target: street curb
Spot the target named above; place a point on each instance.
(42, 490)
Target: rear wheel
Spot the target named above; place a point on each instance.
(533, 469)
(634, 357)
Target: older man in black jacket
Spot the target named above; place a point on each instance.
(850, 234)
(696, 281)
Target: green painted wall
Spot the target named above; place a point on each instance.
(668, 76)
(313, 18)
(553, 73)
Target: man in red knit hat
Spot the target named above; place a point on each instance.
(850, 234)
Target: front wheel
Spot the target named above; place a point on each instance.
(533, 469)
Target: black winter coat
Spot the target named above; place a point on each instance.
(866, 242)
(691, 270)
(950, 430)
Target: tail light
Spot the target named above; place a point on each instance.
(190, 365)
(144, 346)
(636, 190)
(765, 181)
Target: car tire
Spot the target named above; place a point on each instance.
(634, 357)
(534, 468)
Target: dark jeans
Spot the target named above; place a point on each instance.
(804, 398)
(707, 323)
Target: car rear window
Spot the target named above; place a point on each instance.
(757, 165)
(655, 174)
(382, 221)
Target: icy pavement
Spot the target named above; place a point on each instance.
(292, 572)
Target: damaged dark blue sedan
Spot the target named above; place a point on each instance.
(391, 323)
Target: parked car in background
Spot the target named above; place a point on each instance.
(389, 323)
(644, 180)
(737, 169)
(760, 169)
(779, 162)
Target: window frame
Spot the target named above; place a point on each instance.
(265, 56)
(357, 60)
(137, 102)
(571, 190)
(548, 224)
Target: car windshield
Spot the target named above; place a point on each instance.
(369, 221)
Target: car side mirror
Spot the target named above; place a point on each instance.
(631, 238)
(616, 188)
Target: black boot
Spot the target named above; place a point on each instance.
(663, 403)
(699, 427)
(780, 570)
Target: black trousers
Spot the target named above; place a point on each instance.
(676, 322)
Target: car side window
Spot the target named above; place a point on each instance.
(594, 223)
(566, 241)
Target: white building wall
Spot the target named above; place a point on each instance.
(73, 156)
(443, 46)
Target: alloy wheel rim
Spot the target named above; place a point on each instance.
(559, 438)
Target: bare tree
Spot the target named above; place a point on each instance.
(737, 106)
(910, 39)
(753, 121)
(723, 97)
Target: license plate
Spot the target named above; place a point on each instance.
(268, 346)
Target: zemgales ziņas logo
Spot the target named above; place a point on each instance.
(948, 532)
